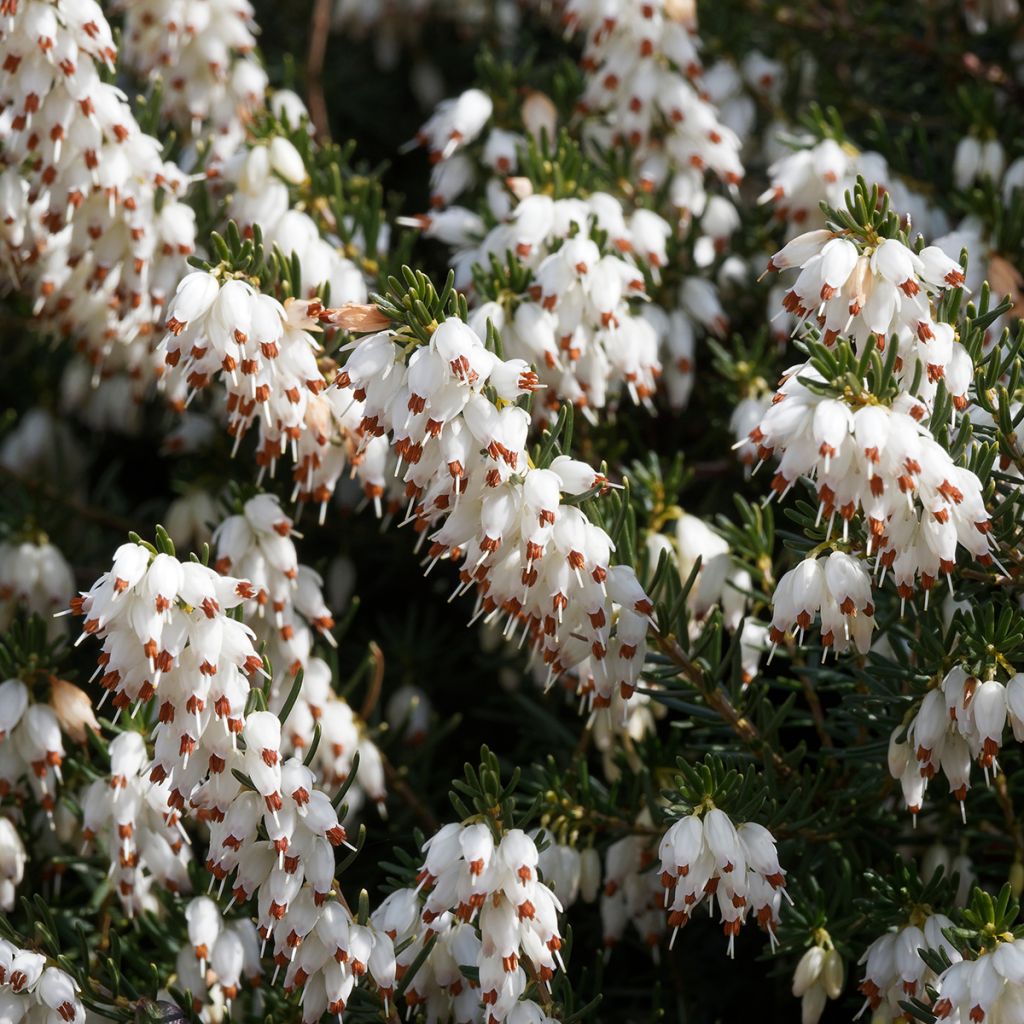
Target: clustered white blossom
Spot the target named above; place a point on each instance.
(894, 971)
(737, 90)
(987, 263)
(343, 736)
(819, 172)
(257, 545)
(631, 893)
(720, 582)
(836, 588)
(221, 956)
(202, 53)
(94, 229)
(533, 559)
(93, 226)
(32, 990)
(36, 578)
(581, 321)
(260, 175)
(265, 354)
(879, 289)
(286, 613)
(569, 872)
(882, 462)
(456, 123)
(735, 866)
(989, 988)
(31, 745)
(487, 905)
(130, 818)
(43, 445)
(958, 721)
(189, 519)
(643, 88)
(12, 863)
(166, 636)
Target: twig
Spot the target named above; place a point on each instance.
(718, 701)
(398, 785)
(376, 682)
(1009, 816)
(319, 25)
(816, 711)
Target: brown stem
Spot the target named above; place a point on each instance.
(1009, 815)
(376, 682)
(319, 25)
(398, 785)
(717, 699)
(816, 711)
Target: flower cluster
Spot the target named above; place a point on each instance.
(980, 15)
(31, 990)
(570, 873)
(457, 122)
(577, 321)
(343, 736)
(271, 829)
(35, 578)
(439, 984)
(203, 53)
(265, 353)
(131, 819)
(631, 893)
(42, 444)
(822, 172)
(485, 901)
(31, 745)
(189, 519)
(862, 290)
(988, 988)
(721, 582)
(220, 957)
(290, 873)
(164, 626)
(578, 317)
(257, 545)
(286, 613)
(260, 176)
(643, 88)
(737, 865)
(883, 462)
(534, 559)
(839, 589)
(94, 227)
(959, 721)
(12, 863)
(894, 971)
